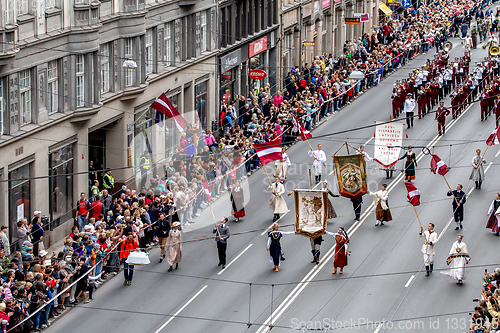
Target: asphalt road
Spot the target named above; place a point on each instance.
(385, 276)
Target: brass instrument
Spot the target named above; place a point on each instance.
(494, 50)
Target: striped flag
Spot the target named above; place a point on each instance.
(413, 194)
(494, 137)
(304, 134)
(437, 165)
(269, 151)
(163, 105)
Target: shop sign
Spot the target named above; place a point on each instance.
(326, 3)
(257, 74)
(231, 60)
(257, 47)
(363, 17)
(308, 43)
(352, 20)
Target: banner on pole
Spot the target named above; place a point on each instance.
(311, 212)
(351, 175)
(388, 141)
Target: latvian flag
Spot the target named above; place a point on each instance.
(494, 137)
(437, 165)
(304, 134)
(269, 151)
(413, 194)
(163, 105)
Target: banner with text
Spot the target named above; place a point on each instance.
(388, 141)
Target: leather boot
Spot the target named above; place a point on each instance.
(431, 267)
(314, 257)
(427, 270)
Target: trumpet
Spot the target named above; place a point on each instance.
(447, 46)
(494, 50)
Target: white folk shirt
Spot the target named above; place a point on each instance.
(284, 158)
(319, 157)
(365, 155)
(459, 248)
(432, 238)
(409, 105)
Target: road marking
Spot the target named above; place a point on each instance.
(315, 270)
(409, 281)
(378, 328)
(182, 308)
(496, 155)
(236, 258)
(282, 216)
(488, 167)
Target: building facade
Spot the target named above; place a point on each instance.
(68, 102)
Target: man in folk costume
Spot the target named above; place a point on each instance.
(381, 200)
(366, 157)
(281, 166)
(410, 165)
(319, 161)
(277, 203)
(222, 234)
(494, 216)
(274, 244)
(356, 206)
(331, 211)
(477, 174)
(342, 240)
(458, 209)
(458, 258)
(428, 250)
(237, 202)
(174, 246)
(441, 114)
(316, 249)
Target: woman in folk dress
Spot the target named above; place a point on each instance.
(331, 211)
(237, 202)
(381, 199)
(281, 166)
(458, 258)
(174, 246)
(340, 260)
(410, 165)
(274, 245)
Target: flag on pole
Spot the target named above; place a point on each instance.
(163, 105)
(437, 165)
(207, 190)
(304, 134)
(413, 194)
(269, 151)
(494, 137)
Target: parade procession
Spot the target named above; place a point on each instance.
(329, 191)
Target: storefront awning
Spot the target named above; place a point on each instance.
(386, 10)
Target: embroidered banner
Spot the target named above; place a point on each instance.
(311, 212)
(351, 175)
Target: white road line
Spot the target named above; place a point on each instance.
(236, 258)
(488, 167)
(378, 328)
(409, 281)
(315, 270)
(180, 310)
(496, 155)
(282, 216)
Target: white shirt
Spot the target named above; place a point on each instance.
(409, 105)
(432, 238)
(447, 74)
(319, 157)
(284, 158)
(365, 155)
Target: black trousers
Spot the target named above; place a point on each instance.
(356, 205)
(409, 119)
(221, 249)
(458, 213)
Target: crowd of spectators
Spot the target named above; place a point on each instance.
(203, 166)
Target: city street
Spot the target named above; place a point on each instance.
(385, 278)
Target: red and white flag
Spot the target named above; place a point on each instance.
(413, 194)
(269, 151)
(207, 190)
(438, 166)
(304, 134)
(494, 137)
(163, 105)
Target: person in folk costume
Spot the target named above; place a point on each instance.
(340, 259)
(458, 209)
(274, 245)
(494, 213)
(477, 174)
(316, 248)
(381, 200)
(281, 166)
(458, 258)
(331, 211)
(277, 203)
(222, 231)
(410, 165)
(319, 161)
(431, 238)
(356, 206)
(174, 246)
(237, 202)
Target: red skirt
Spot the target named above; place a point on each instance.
(239, 213)
(492, 223)
(340, 256)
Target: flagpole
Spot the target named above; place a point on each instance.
(215, 222)
(481, 159)
(264, 167)
(451, 190)
(421, 228)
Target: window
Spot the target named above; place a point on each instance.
(79, 2)
(168, 44)
(203, 33)
(19, 197)
(50, 4)
(80, 80)
(128, 55)
(61, 186)
(25, 94)
(22, 7)
(172, 133)
(53, 82)
(201, 103)
(104, 68)
(149, 50)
